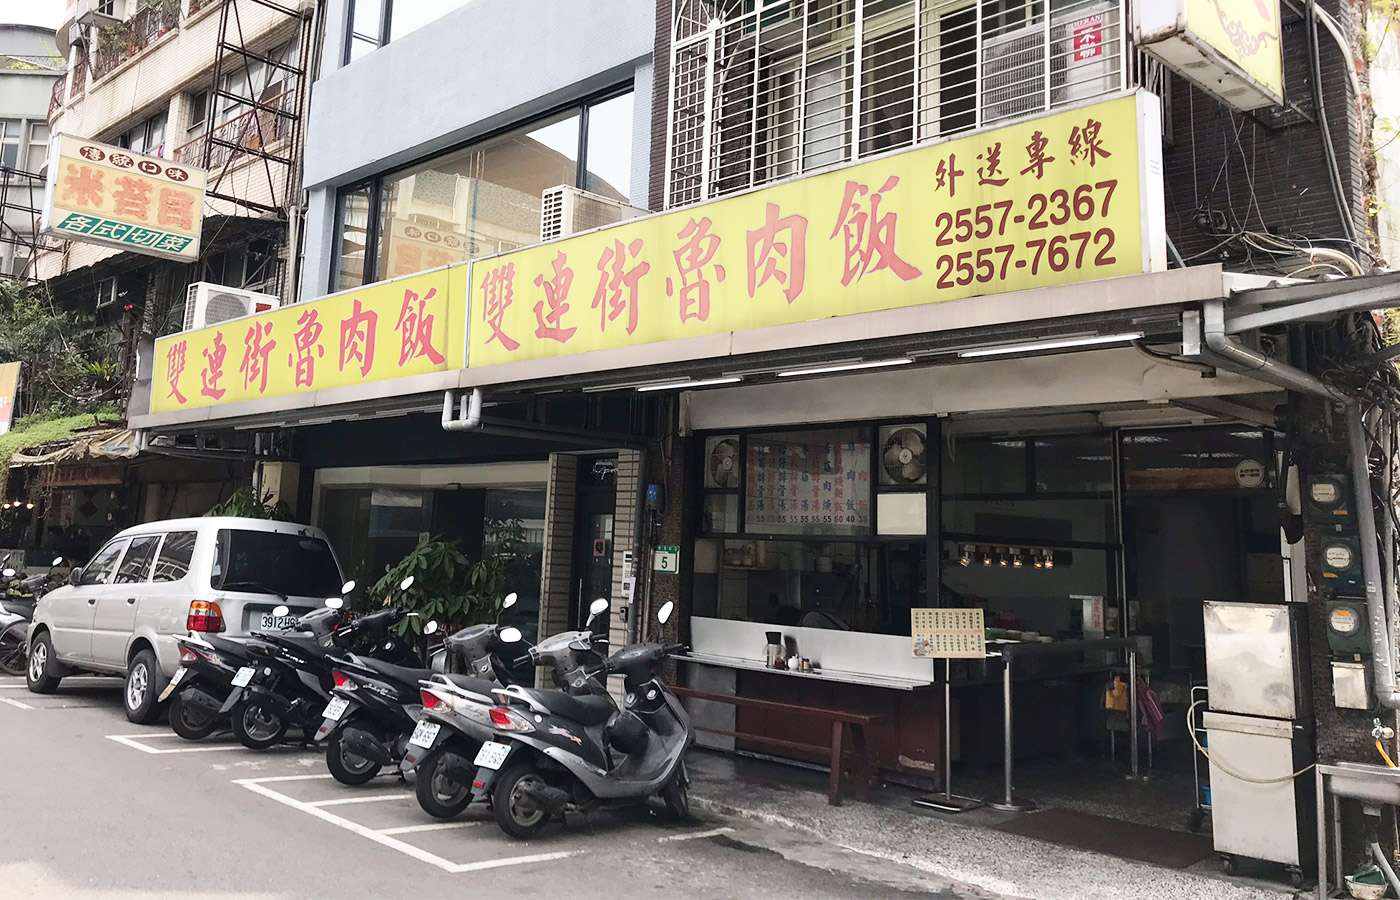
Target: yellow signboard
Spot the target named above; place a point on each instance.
(9, 388)
(1245, 32)
(1068, 197)
(100, 194)
(393, 329)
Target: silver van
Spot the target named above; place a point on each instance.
(121, 613)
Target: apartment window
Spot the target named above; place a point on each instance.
(252, 266)
(38, 150)
(480, 199)
(10, 131)
(147, 138)
(199, 115)
(374, 23)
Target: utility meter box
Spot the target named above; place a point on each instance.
(1341, 563)
(1348, 629)
(1328, 500)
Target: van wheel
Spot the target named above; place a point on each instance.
(511, 805)
(39, 675)
(189, 722)
(439, 793)
(144, 683)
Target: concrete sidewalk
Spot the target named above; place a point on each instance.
(962, 849)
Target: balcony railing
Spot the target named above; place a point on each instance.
(251, 130)
(56, 98)
(197, 5)
(120, 42)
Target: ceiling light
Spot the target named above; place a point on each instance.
(684, 385)
(847, 367)
(1062, 344)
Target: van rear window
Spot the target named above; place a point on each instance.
(268, 562)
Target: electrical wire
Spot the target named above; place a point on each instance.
(1328, 150)
(1191, 730)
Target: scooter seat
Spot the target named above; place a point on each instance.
(228, 646)
(470, 683)
(586, 709)
(402, 674)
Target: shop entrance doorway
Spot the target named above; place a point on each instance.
(593, 539)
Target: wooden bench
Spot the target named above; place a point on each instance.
(842, 721)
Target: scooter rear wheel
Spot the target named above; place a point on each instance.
(513, 809)
(13, 648)
(346, 767)
(439, 793)
(257, 727)
(190, 723)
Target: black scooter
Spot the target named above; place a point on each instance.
(554, 751)
(375, 706)
(20, 596)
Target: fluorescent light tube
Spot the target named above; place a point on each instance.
(683, 385)
(1063, 344)
(847, 367)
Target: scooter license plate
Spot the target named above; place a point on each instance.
(491, 755)
(425, 734)
(244, 676)
(174, 683)
(335, 709)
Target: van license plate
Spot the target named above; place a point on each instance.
(491, 755)
(244, 676)
(425, 734)
(269, 622)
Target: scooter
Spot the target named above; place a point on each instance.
(375, 706)
(555, 752)
(21, 595)
(291, 680)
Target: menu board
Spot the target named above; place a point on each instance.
(807, 487)
(948, 633)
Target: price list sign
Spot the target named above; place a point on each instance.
(949, 633)
(808, 487)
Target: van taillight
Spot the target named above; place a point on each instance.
(205, 616)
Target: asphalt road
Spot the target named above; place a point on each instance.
(95, 807)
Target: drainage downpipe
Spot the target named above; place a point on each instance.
(1382, 647)
(1379, 856)
(1239, 358)
(469, 417)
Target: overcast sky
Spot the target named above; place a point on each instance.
(32, 12)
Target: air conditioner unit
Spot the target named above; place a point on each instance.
(567, 210)
(1013, 74)
(1085, 52)
(77, 35)
(209, 304)
(100, 12)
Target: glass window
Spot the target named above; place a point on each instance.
(100, 570)
(1228, 458)
(148, 137)
(609, 152)
(38, 146)
(366, 27)
(137, 562)
(370, 19)
(808, 482)
(9, 143)
(173, 563)
(352, 237)
(269, 562)
(979, 466)
(407, 16)
(199, 114)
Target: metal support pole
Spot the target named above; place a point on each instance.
(1133, 714)
(1321, 789)
(947, 802)
(1009, 803)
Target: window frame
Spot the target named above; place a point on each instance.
(385, 10)
(374, 184)
(121, 543)
(18, 142)
(144, 576)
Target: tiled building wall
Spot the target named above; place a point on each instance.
(557, 560)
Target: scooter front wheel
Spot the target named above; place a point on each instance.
(438, 784)
(14, 650)
(676, 793)
(514, 810)
(257, 727)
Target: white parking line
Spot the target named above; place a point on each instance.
(256, 786)
(129, 740)
(713, 832)
(342, 801)
(15, 703)
(435, 826)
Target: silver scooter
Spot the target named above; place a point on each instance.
(555, 751)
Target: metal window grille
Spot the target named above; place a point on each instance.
(768, 89)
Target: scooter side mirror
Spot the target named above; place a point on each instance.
(596, 609)
(663, 615)
(334, 603)
(281, 610)
(509, 601)
(509, 635)
(431, 628)
(347, 587)
(57, 561)
(8, 573)
(406, 583)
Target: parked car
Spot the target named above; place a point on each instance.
(122, 612)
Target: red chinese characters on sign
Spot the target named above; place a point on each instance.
(214, 369)
(132, 198)
(548, 324)
(357, 337)
(697, 250)
(617, 285)
(174, 368)
(1039, 159)
(498, 293)
(989, 166)
(1088, 38)
(868, 234)
(768, 253)
(83, 186)
(1085, 143)
(415, 326)
(948, 174)
(175, 208)
(257, 346)
(306, 344)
